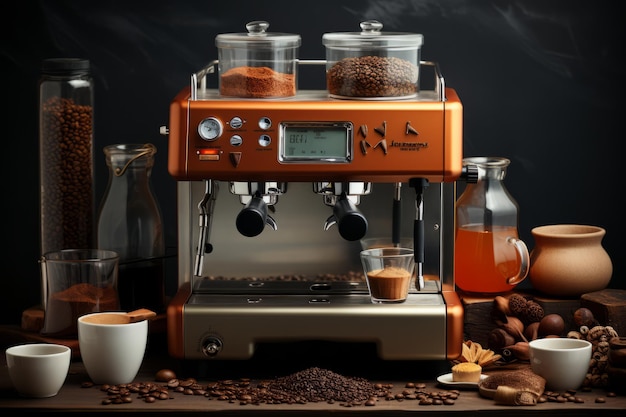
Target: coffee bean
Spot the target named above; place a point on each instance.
(165, 375)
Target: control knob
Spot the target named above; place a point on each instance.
(211, 346)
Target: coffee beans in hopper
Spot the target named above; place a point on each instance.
(372, 76)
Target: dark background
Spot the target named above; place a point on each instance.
(541, 83)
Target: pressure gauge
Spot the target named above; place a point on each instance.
(210, 128)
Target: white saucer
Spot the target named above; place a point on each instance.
(446, 380)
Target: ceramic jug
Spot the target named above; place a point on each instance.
(568, 260)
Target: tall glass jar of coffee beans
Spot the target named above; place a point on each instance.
(66, 155)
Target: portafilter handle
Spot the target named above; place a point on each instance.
(252, 219)
(351, 222)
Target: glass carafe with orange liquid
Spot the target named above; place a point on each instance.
(489, 256)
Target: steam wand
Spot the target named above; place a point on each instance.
(418, 228)
(396, 215)
(205, 207)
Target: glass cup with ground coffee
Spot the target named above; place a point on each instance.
(257, 63)
(388, 272)
(76, 282)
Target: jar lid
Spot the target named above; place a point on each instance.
(257, 37)
(371, 36)
(65, 66)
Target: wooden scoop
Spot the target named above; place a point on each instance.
(125, 318)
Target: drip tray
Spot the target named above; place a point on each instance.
(305, 288)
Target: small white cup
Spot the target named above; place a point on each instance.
(38, 369)
(111, 353)
(562, 362)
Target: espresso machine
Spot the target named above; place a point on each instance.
(277, 187)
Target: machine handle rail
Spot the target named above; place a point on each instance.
(199, 79)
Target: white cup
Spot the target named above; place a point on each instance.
(111, 353)
(562, 362)
(38, 369)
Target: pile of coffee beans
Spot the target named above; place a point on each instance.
(317, 384)
(66, 174)
(372, 76)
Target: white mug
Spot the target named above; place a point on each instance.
(561, 361)
(111, 353)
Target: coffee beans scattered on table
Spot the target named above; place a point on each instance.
(308, 386)
(311, 385)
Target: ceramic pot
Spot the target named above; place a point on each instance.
(568, 260)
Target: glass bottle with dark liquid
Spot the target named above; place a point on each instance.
(489, 256)
(129, 222)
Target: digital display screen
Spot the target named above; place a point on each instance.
(316, 141)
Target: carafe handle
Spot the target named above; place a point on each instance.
(524, 257)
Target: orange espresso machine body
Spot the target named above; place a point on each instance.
(230, 301)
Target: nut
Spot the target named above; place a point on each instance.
(533, 312)
(552, 324)
(584, 317)
(513, 326)
(499, 339)
(532, 331)
(517, 304)
(502, 305)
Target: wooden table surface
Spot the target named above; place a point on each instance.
(345, 360)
